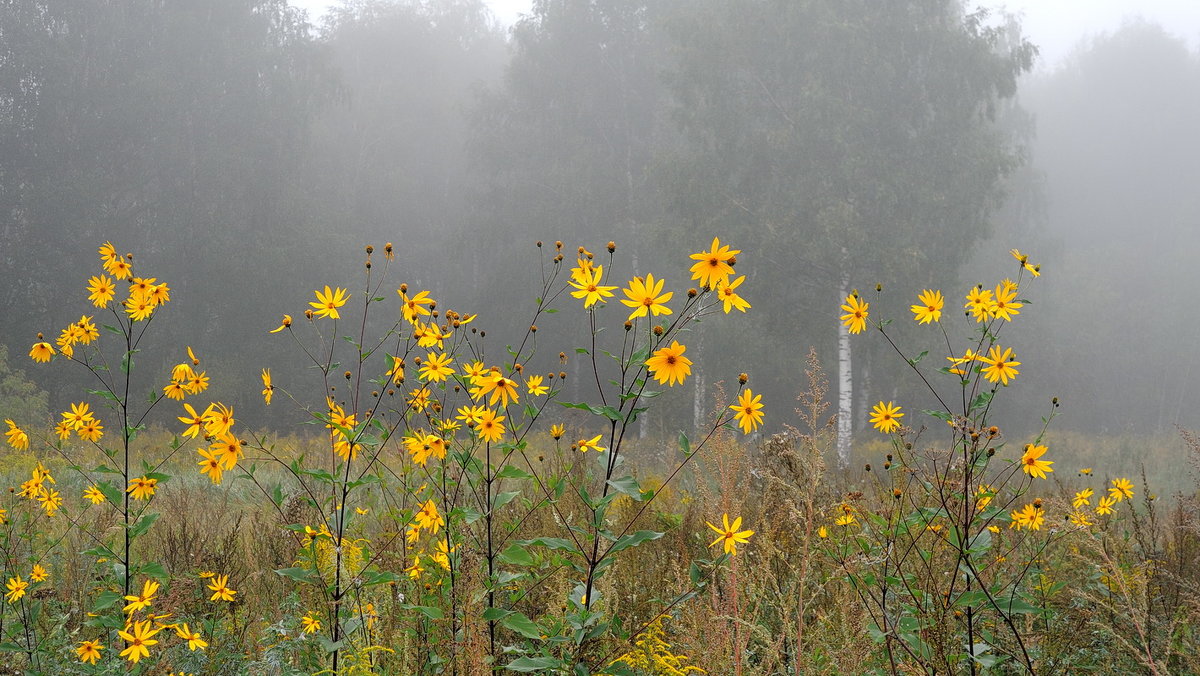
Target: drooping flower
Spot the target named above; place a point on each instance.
(327, 303)
(668, 365)
(714, 266)
(1031, 463)
(41, 352)
(594, 443)
(929, 307)
(428, 518)
(557, 430)
(748, 409)
(646, 297)
(210, 465)
(729, 534)
(16, 437)
(268, 388)
(856, 315)
(285, 324)
(886, 417)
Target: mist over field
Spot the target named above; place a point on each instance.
(247, 150)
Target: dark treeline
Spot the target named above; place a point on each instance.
(246, 157)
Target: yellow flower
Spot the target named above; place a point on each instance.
(197, 383)
(220, 589)
(428, 518)
(228, 448)
(50, 501)
(16, 589)
(1001, 366)
(285, 324)
(138, 640)
(89, 651)
(101, 290)
(1121, 489)
(979, 303)
(856, 315)
(143, 600)
(268, 388)
(17, 438)
(1106, 505)
(210, 464)
(594, 443)
(192, 637)
(501, 389)
(78, 415)
(141, 488)
(194, 421)
(91, 431)
(310, 624)
(1032, 465)
(41, 352)
(886, 417)
(39, 574)
(1031, 517)
(822, 532)
(138, 309)
(730, 535)
(94, 494)
(1082, 498)
(415, 307)
(729, 297)
(646, 297)
(1080, 519)
(748, 409)
(1005, 305)
(175, 391)
(929, 307)
(119, 268)
(535, 387)
(1021, 258)
(436, 367)
(668, 365)
(218, 419)
(984, 496)
(587, 286)
(557, 430)
(1086, 471)
(491, 426)
(327, 303)
(714, 266)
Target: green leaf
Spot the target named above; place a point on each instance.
(633, 540)
(154, 570)
(552, 543)
(503, 499)
(299, 575)
(627, 485)
(428, 611)
(917, 359)
(940, 415)
(532, 664)
(143, 524)
(516, 555)
(513, 472)
(379, 578)
(684, 444)
(106, 599)
(522, 625)
(981, 400)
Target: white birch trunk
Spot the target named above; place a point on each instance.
(845, 385)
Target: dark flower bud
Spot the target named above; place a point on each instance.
(743, 378)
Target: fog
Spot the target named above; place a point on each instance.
(247, 157)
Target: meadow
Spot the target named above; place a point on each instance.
(445, 510)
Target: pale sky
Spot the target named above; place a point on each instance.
(1056, 26)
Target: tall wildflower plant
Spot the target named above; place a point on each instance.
(430, 427)
(950, 569)
(94, 442)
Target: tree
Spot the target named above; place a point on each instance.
(859, 136)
